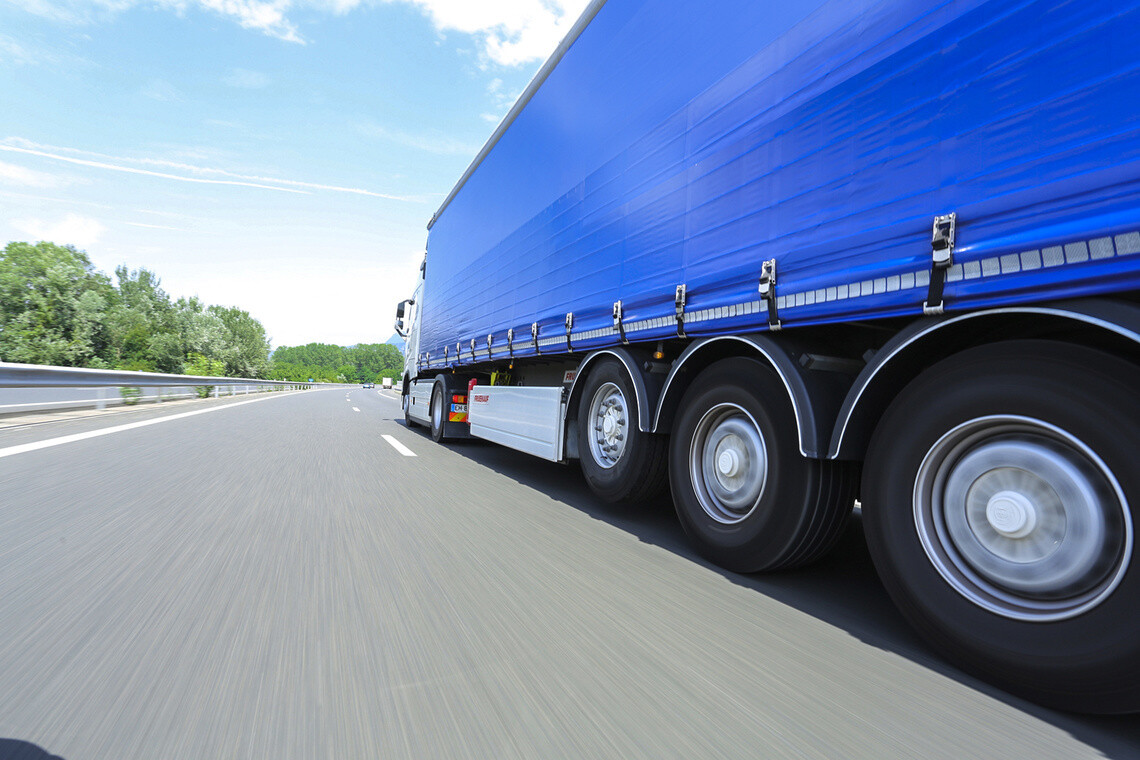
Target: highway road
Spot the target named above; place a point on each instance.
(298, 575)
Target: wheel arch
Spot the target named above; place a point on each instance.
(450, 383)
(643, 383)
(1109, 324)
(814, 395)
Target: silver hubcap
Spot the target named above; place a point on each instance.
(610, 425)
(728, 463)
(1022, 518)
(437, 411)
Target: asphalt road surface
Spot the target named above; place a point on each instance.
(271, 577)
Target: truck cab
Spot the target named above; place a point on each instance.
(408, 325)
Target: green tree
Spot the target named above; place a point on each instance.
(55, 308)
(202, 331)
(246, 348)
(46, 314)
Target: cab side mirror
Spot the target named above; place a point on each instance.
(400, 329)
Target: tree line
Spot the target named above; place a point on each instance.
(365, 363)
(57, 309)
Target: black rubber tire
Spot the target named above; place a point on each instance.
(406, 402)
(437, 415)
(1086, 663)
(804, 504)
(638, 475)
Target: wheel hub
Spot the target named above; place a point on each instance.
(1011, 514)
(610, 425)
(728, 463)
(1022, 518)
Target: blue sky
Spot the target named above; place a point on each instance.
(284, 156)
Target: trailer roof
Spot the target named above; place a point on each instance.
(582, 22)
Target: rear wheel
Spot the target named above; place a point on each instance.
(407, 402)
(999, 510)
(746, 497)
(621, 463)
(438, 412)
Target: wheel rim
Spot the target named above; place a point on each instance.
(437, 411)
(609, 425)
(1022, 518)
(728, 463)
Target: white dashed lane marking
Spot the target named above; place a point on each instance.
(399, 446)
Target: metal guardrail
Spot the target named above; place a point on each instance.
(44, 376)
(165, 386)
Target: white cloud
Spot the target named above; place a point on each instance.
(502, 100)
(246, 80)
(511, 32)
(54, 11)
(32, 52)
(72, 229)
(10, 174)
(266, 16)
(12, 51)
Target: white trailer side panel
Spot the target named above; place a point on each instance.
(525, 419)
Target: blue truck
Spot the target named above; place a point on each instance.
(774, 259)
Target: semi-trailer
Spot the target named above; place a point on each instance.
(772, 258)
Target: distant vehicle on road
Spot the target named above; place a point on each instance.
(369, 385)
(386, 382)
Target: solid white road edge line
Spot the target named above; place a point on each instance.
(399, 446)
(25, 447)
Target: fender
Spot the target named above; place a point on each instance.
(645, 386)
(911, 344)
(815, 395)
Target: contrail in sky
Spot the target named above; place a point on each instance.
(280, 185)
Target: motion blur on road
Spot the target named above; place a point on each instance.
(298, 575)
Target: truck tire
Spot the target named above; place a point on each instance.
(622, 464)
(438, 412)
(746, 497)
(1000, 503)
(406, 401)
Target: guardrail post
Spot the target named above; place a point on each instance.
(101, 400)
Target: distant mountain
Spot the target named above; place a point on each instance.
(396, 341)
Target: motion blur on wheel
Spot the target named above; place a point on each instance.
(1000, 500)
(746, 497)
